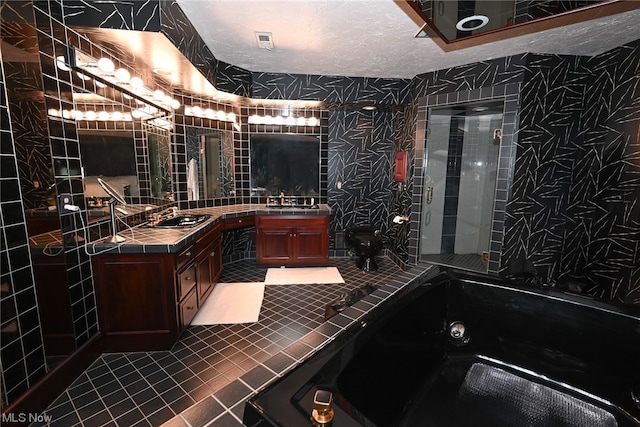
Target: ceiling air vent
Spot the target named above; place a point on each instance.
(264, 39)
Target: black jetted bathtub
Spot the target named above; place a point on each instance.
(458, 349)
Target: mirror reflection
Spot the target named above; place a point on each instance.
(210, 166)
(110, 155)
(456, 19)
(158, 143)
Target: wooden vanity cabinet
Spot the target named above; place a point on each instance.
(292, 240)
(146, 300)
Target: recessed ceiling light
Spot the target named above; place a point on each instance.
(476, 22)
(163, 71)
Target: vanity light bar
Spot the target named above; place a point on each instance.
(121, 77)
(209, 113)
(283, 121)
(103, 116)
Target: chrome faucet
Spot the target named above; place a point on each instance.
(281, 198)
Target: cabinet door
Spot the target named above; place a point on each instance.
(209, 266)
(205, 276)
(311, 246)
(273, 245)
(215, 256)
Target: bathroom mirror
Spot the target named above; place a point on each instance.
(110, 155)
(285, 163)
(158, 142)
(210, 163)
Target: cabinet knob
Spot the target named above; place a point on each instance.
(187, 278)
(189, 307)
(188, 254)
(239, 220)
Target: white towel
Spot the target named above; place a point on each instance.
(192, 180)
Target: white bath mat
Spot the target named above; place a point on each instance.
(302, 276)
(231, 303)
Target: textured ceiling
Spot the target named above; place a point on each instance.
(372, 38)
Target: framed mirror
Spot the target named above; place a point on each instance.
(210, 163)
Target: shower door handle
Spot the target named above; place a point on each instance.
(429, 194)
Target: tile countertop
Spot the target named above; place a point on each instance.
(141, 239)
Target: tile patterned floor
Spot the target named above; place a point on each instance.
(206, 377)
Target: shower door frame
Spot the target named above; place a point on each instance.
(509, 94)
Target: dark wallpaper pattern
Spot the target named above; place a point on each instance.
(602, 243)
(552, 96)
(576, 188)
(359, 186)
(334, 91)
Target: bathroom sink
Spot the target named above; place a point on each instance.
(184, 220)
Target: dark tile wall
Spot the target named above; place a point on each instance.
(65, 158)
(22, 352)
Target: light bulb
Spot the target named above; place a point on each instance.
(122, 75)
(60, 63)
(106, 65)
(136, 82)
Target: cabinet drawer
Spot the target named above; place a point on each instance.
(185, 256)
(290, 221)
(187, 281)
(240, 222)
(188, 309)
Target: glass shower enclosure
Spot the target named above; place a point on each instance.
(462, 148)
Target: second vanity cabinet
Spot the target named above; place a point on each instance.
(292, 240)
(146, 300)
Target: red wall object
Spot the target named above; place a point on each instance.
(400, 169)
